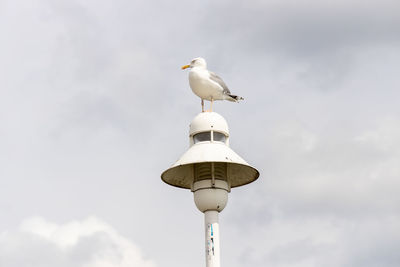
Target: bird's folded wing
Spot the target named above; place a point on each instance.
(214, 77)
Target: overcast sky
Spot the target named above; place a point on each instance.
(94, 106)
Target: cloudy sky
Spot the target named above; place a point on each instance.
(94, 106)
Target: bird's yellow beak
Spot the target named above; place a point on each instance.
(185, 67)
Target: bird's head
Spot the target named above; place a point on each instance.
(196, 62)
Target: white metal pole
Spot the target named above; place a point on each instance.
(212, 238)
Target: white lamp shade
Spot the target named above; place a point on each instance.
(182, 173)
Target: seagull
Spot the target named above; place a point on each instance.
(208, 85)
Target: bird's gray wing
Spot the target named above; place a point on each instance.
(214, 77)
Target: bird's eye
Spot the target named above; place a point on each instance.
(193, 61)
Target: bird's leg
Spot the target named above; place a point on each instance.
(202, 105)
(212, 100)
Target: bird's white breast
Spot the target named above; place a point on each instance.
(203, 86)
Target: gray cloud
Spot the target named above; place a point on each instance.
(94, 106)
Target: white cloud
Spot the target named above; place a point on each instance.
(385, 137)
(86, 243)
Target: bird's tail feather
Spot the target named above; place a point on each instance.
(235, 98)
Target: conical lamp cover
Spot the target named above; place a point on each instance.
(181, 174)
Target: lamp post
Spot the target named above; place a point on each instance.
(210, 168)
